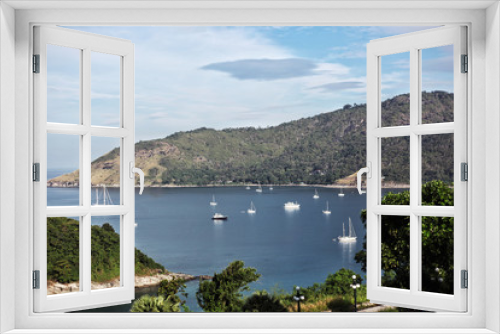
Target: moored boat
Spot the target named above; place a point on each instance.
(219, 216)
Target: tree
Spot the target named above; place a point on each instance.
(223, 292)
(340, 282)
(437, 242)
(171, 288)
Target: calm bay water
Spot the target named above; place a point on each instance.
(286, 247)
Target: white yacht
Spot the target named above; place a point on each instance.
(252, 208)
(316, 195)
(213, 202)
(327, 210)
(341, 193)
(352, 234)
(259, 189)
(292, 205)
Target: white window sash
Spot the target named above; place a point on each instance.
(86, 297)
(412, 43)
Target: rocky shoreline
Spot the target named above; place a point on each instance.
(147, 281)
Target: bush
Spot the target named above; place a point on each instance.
(149, 303)
(339, 304)
(263, 302)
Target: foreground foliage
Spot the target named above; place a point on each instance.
(160, 303)
(223, 293)
(437, 242)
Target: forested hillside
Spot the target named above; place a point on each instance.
(63, 252)
(316, 150)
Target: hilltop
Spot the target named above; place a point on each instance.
(321, 149)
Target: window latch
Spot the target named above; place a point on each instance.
(368, 171)
(134, 170)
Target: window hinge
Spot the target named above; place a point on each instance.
(465, 279)
(36, 172)
(465, 64)
(464, 167)
(36, 63)
(36, 279)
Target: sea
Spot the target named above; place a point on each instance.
(287, 247)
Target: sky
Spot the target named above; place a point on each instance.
(226, 77)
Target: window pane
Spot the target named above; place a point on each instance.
(395, 170)
(395, 89)
(63, 84)
(437, 84)
(105, 171)
(395, 251)
(63, 175)
(105, 89)
(105, 252)
(437, 254)
(63, 255)
(437, 169)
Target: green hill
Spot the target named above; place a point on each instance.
(63, 252)
(316, 150)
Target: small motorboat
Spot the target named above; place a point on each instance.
(219, 216)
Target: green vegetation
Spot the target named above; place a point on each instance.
(437, 242)
(167, 299)
(63, 251)
(315, 150)
(261, 301)
(223, 293)
(159, 303)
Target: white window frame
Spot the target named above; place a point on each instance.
(413, 44)
(86, 43)
(484, 102)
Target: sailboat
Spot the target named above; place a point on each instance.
(352, 234)
(341, 193)
(259, 189)
(213, 202)
(106, 198)
(247, 187)
(327, 211)
(252, 208)
(316, 195)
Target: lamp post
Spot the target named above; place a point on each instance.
(355, 285)
(298, 297)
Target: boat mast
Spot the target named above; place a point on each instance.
(104, 193)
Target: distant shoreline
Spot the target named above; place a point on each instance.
(332, 186)
(146, 281)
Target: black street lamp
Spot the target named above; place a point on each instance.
(298, 297)
(355, 285)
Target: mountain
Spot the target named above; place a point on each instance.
(316, 150)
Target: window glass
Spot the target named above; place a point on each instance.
(63, 84)
(395, 169)
(437, 84)
(106, 89)
(63, 174)
(395, 89)
(63, 255)
(106, 252)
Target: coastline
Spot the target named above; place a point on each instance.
(332, 186)
(144, 281)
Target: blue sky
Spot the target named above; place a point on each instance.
(220, 77)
